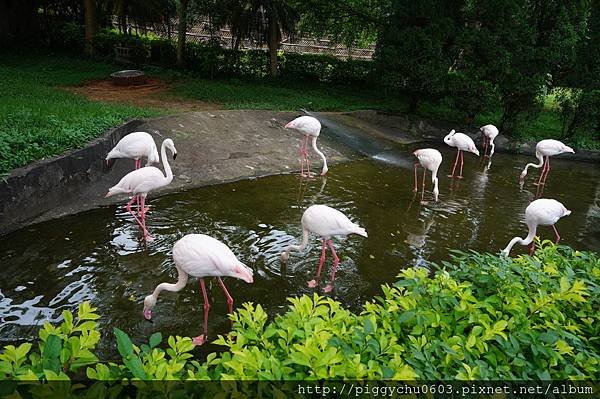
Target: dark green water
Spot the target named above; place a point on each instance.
(98, 256)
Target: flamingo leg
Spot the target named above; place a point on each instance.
(199, 340)
(336, 260)
(487, 147)
(416, 166)
(547, 170)
(128, 206)
(423, 186)
(455, 163)
(228, 297)
(462, 161)
(543, 171)
(302, 157)
(314, 283)
(557, 235)
(143, 208)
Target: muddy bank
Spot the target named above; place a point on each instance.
(406, 129)
(213, 147)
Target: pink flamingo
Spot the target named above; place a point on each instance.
(199, 255)
(135, 146)
(325, 222)
(488, 134)
(310, 127)
(462, 142)
(429, 159)
(545, 148)
(541, 212)
(142, 181)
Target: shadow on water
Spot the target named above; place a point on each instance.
(97, 255)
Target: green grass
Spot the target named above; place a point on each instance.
(39, 120)
(285, 95)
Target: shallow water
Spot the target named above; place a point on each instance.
(98, 256)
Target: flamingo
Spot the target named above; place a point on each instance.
(325, 222)
(310, 127)
(541, 212)
(462, 142)
(135, 146)
(142, 181)
(429, 159)
(199, 255)
(545, 148)
(488, 134)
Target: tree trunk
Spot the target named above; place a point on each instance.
(273, 46)
(182, 30)
(91, 25)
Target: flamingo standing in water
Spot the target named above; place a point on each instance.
(142, 181)
(311, 128)
(545, 149)
(325, 222)
(199, 255)
(429, 159)
(541, 212)
(135, 146)
(488, 134)
(462, 142)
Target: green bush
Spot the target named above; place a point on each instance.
(478, 317)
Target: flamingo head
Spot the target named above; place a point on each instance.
(474, 150)
(149, 303)
(504, 253)
(290, 125)
(569, 149)
(448, 139)
(324, 171)
(242, 272)
(171, 146)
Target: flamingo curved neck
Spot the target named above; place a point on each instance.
(165, 161)
(533, 165)
(314, 146)
(493, 147)
(182, 278)
(522, 241)
(302, 245)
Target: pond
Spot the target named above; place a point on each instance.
(98, 256)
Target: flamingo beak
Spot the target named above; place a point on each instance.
(148, 314)
(288, 125)
(174, 156)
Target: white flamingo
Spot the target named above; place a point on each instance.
(309, 127)
(541, 212)
(488, 134)
(325, 222)
(135, 146)
(462, 142)
(429, 159)
(543, 151)
(142, 181)
(199, 255)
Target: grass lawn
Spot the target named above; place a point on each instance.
(38, 120)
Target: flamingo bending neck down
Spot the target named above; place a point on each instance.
(134, 146)
(325, 222)
(142, 181)
(462, 142)
(541, 212)
(429, 159)
(199, 255)
(543, 151)
(310, 127)
(488, 134)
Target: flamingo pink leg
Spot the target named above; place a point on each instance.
(144, 209)
(547, 170)
(487, 147)
(228, 297)
(423, 187)
(142, 225)
(416, 166)
(455, 163)
(302, 144)
(544, 168)
(336, 260)
(313, 283)
(557, 235)
(199, 340)
(462, 161)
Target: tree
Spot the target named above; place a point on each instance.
(91, 25)
(417, 47)
(182, 31)
(262, 21)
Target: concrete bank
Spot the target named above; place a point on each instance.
(213, 147)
